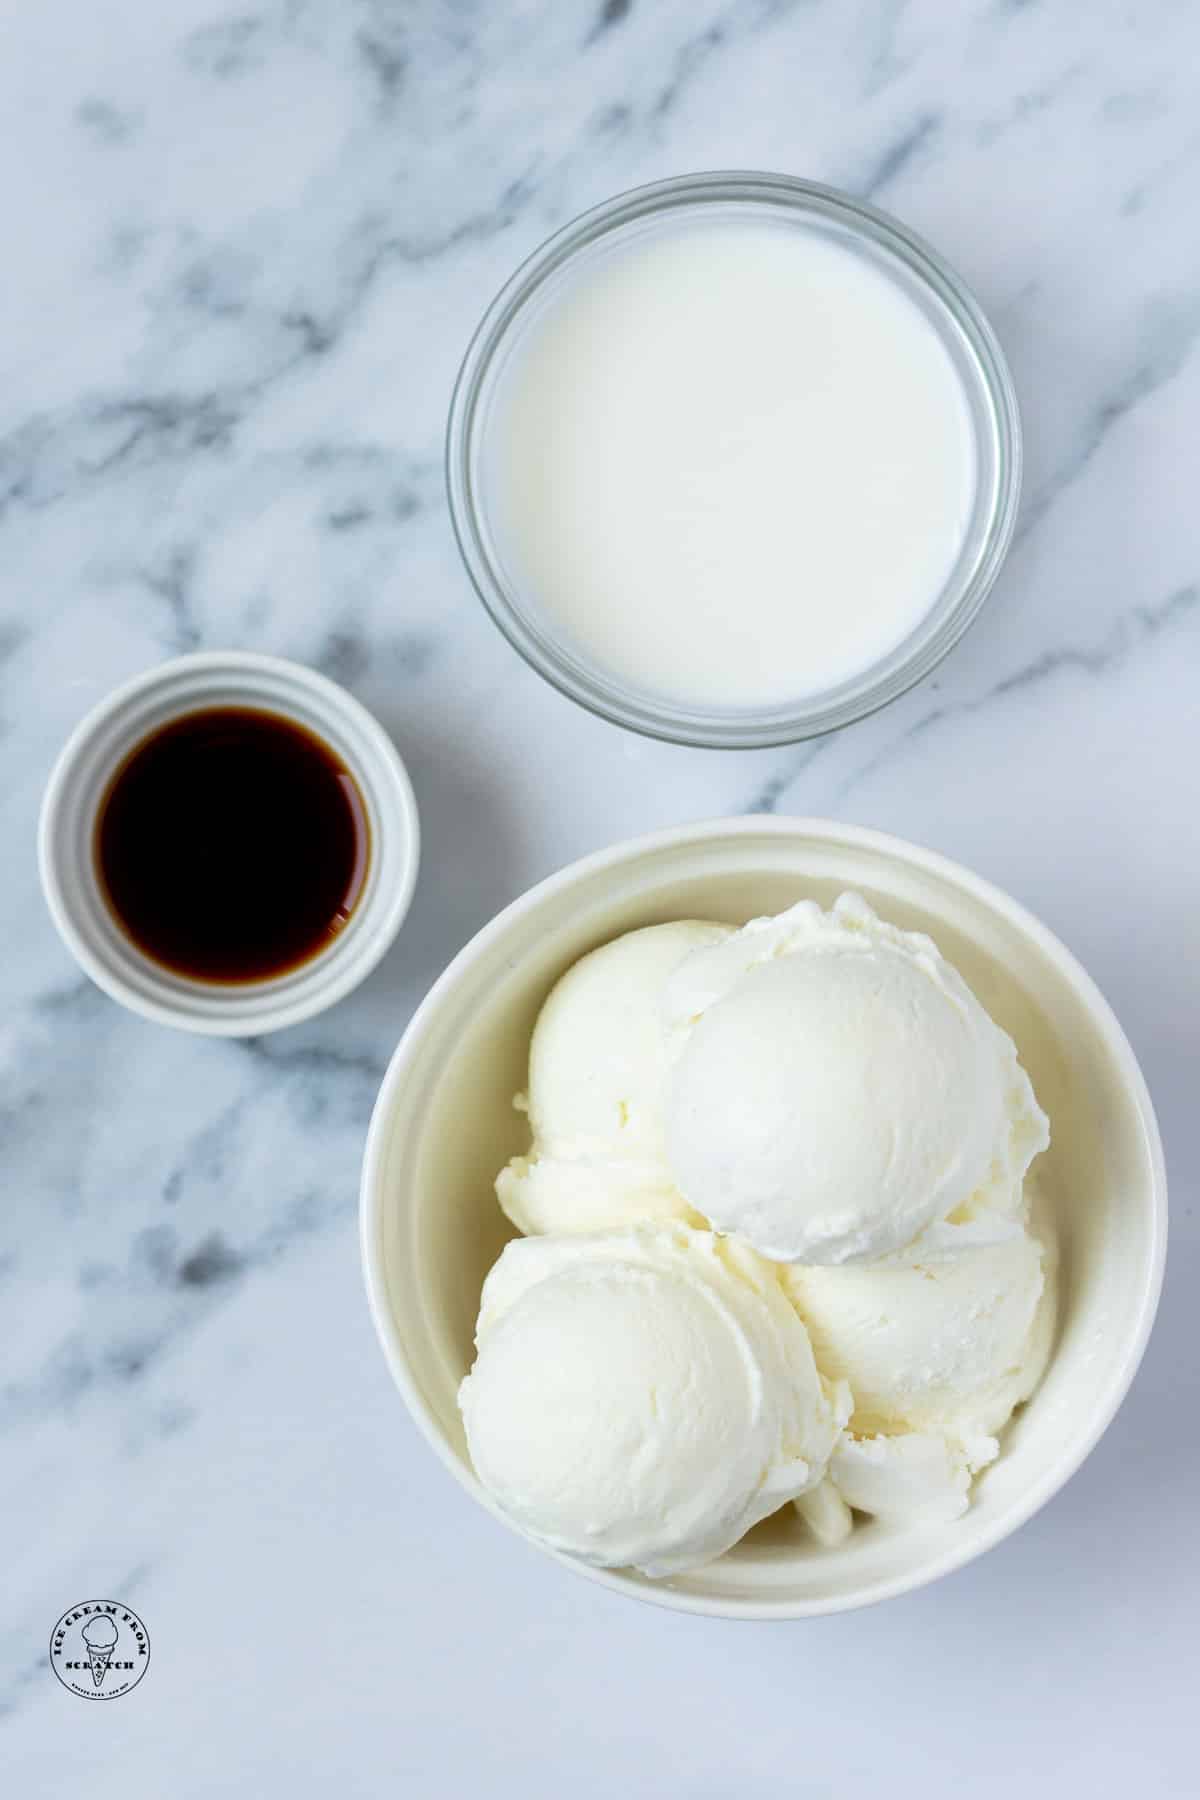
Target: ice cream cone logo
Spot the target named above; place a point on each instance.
(100, 1636)
(99, 1649)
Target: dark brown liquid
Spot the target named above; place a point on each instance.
(232, 845)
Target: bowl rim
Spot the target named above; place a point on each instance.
(585, 681)
(250, 1008)
(371, 1203)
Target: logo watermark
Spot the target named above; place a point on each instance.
(99, 1649)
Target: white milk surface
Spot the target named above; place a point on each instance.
(732, 464)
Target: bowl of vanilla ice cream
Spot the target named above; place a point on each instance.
(764, 1217)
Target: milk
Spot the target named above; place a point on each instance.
(731, 463)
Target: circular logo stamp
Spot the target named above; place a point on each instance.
(99, 1649)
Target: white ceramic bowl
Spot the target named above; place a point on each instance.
(80, 779)
(444, 1124)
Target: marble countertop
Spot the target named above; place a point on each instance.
(245, 250)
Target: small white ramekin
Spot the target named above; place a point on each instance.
(444, 1124)
(79, 780)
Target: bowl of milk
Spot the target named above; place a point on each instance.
(733, 459)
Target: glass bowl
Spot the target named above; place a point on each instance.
(948, 306)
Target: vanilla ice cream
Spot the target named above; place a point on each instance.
(937, 1357)
(838, 1094)
(825, 1090)
(597, 1065)
(919, 1477)
(644, 1396)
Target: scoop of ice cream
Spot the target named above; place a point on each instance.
(948, 1347)
(839, 1091)
(100, 1633)
(937, 1358)
(597, 1066)
(643, 1397)
(919, 1476)
(915, 1477)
